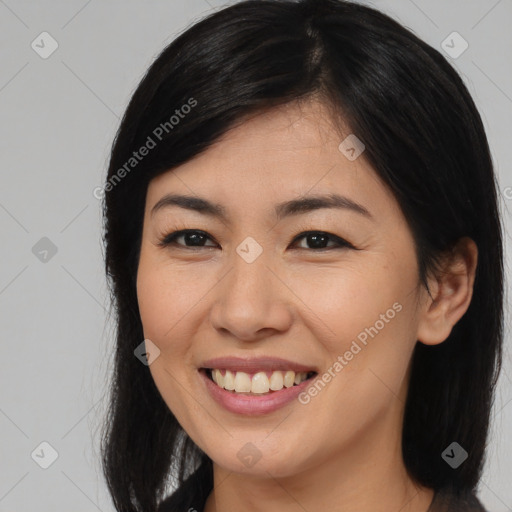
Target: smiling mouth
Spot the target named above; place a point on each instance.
(259, 383)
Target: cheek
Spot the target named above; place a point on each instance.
(165, 296)
(350, 298)
(368, 318)
(154, 299)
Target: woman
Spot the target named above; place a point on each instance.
(305, 253)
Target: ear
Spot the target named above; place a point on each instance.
(451, 290)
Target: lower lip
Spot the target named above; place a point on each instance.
(253, 404)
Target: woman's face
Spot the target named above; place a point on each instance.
(342, 303)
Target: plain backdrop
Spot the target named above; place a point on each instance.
(58, 118)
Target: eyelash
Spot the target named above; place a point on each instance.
(170, 239)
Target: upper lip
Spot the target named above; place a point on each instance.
(254, 364)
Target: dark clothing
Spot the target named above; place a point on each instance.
(447, 502)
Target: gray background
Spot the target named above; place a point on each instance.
(58, 118)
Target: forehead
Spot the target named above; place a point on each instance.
(273, 156)
(293, 127)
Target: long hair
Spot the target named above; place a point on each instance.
(423, 136)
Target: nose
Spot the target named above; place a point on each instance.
(251, 302)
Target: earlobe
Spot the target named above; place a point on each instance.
(452, 290)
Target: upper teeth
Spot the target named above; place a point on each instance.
(241, 382)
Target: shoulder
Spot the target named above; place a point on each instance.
(456, 501)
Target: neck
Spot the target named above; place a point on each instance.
(318, 490)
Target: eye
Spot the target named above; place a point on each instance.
(197, 238)
(194, 236)
(318, 239)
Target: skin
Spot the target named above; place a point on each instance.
(342, 450)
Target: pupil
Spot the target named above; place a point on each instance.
(315, 240)
(194, 237)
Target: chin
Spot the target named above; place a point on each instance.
(254, 459)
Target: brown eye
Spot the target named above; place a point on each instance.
(191, 238)
(320, 239)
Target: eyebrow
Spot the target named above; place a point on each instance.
(286, 209)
